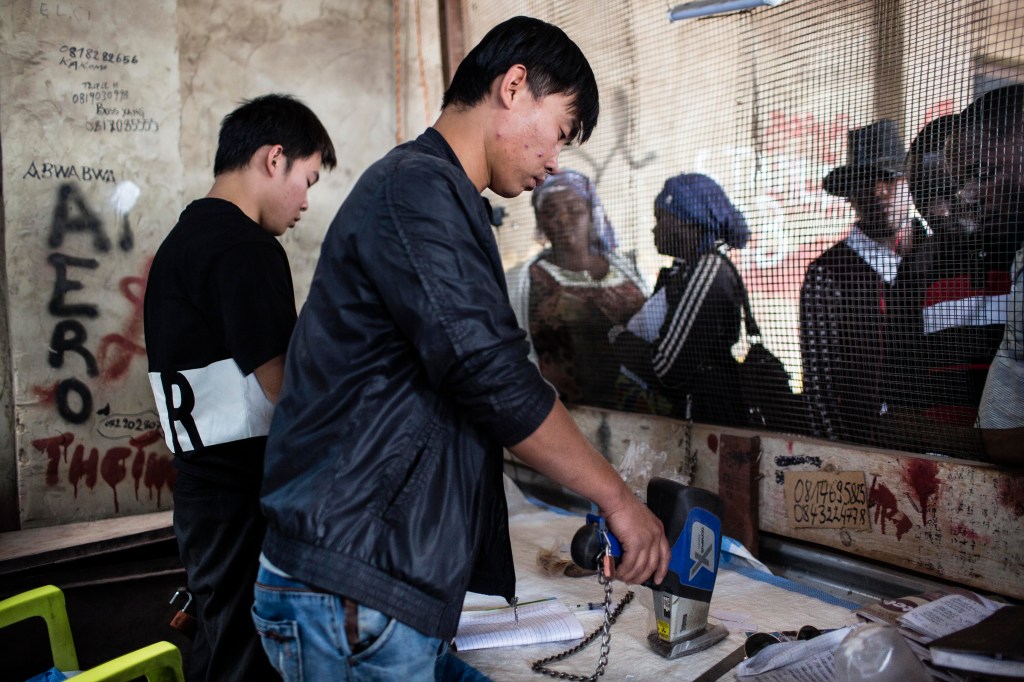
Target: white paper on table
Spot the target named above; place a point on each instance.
(947, 614)
(546, 621)
(735, 620)
(808, 660)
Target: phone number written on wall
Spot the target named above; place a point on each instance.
(103, 94)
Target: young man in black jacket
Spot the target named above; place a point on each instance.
(219, 311)
(407, 374)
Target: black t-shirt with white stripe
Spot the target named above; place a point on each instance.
(219, 303)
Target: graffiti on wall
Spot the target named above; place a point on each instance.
(624, 123)
(90, 116)
(80, 240)
(778, 187)
(150, 469)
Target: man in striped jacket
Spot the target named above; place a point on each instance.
(845, 291)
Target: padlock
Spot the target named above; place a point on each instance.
(183, 622)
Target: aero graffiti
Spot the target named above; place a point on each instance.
(72, 396)
(95, 365)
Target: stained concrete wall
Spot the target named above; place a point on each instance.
(8, 465)
(109, 111)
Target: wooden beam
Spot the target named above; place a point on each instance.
(36, 547)
(452, 40)
(953, 519)
(738, 458)
(10, 517)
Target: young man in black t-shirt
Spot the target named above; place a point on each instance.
(219, 311)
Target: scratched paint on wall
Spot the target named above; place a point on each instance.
(90, 122)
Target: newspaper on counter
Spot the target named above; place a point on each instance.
(994, 646)
(921, 617)
(946, 615)
(809, 660)
(889, 611)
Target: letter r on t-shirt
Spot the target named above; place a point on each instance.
(182, 412)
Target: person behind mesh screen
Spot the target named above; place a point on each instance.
(408, 376)
(679, 345)
(845, 290)
(931, 405)
(988, 163)
(570, 295)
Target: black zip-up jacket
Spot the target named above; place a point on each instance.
(405, 376)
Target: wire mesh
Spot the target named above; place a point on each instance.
(770, 150)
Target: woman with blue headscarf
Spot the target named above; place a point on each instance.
(573, 292)
(679, 345)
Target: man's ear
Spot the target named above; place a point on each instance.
(512, 85)
(272, 159)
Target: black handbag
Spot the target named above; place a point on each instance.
(764, 382)
(767, 395)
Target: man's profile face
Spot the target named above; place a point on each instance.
(530, 137)
(673, 237)
(930, 186)
(288, 198)
(986, 164)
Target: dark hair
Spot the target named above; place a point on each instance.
(554, 65)
(271, 119)
(1001, 109)
(927, 178)
(932, 136)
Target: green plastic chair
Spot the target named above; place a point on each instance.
(160, 662)
(46, 603)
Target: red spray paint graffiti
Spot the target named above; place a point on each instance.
(886, 509)
(150, 468)
(806, 135)
(116, 351)
(46, 394)
(960, 530)
(921, 476)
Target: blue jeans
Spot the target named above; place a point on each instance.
(304, 634)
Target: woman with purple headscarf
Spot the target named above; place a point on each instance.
(678, 347)
(572, 293)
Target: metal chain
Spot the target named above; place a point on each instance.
(605, 632)
(689, 466)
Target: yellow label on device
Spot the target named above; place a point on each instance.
(663, 629)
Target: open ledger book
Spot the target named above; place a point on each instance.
(545, 621)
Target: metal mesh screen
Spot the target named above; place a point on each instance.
(763, 156)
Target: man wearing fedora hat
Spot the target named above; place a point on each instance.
(843, 298)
